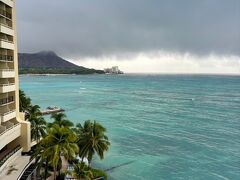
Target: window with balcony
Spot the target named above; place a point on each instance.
(6, 38)
(6, 55)
(5, 11)
(5, 22)
(7, 100)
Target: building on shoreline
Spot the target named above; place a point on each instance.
(15, 136)
(113, 70)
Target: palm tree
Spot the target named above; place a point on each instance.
(60, 119)
(81, 171)
(32, 112)
(38, 124)
(41, 157)
(62, 142)
(38, 128)
(24, 101)
(91, 140)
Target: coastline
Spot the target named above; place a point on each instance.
(141, 74)
(69, 74)
(57, 74)
(44, 74)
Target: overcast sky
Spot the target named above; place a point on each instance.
(138, 35)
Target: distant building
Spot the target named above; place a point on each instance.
(113, 70)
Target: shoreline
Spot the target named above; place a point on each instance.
(44, 74)
(140, 74)
(67, 74)
(56, 74)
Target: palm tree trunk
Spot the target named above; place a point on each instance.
(38, 171)
(46, 169)
(90, 156)
(54, 173)
(59, 172)
(37, 137)
(89, 160)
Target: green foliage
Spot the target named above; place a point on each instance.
(97, 173)
(33, 115)
(62, 176)
(38, 128)
(59, 71)
(61, 141)
(91, 140)
(60, 119)
(81, 171)
(41, 157)
(38, 124)
(24, 101)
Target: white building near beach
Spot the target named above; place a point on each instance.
(113, 70)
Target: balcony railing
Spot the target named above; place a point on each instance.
(6, 113)
(6, 25)
(6, 100)
(5, 117)
(7, 73)
(4, 88)
(4, 156)
(6, 40)
(6, 58)
(9, 127)
(7, 70)
(5, 85)
(5, 14)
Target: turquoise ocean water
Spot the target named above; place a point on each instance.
(160, 126)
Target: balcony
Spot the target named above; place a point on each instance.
(7, 73)
(6, 58)
(6, 101)
(6, 29)
(7, 24)
(9, 132)
(9, 155)
(5, 14)
(7, 116)
(8, 2)
(6, 44)
(4, 88)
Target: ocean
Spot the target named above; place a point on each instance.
(160, 126)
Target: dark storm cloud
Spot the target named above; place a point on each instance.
(76, 28)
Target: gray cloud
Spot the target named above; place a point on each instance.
(75, 28)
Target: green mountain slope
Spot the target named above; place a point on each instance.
(48, 62)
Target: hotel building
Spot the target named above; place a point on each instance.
(14, 130)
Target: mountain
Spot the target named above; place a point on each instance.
(48, 62)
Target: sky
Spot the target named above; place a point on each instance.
(149, 36)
